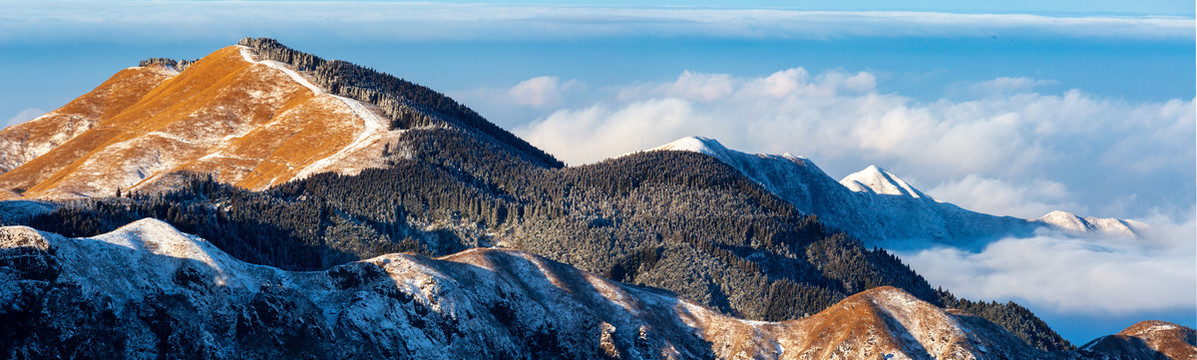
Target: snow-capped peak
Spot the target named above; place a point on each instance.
(696, 144)
(714, 148)
(875, 205)
(1110, 226)
(879, 181)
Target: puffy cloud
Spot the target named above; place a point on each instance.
(1070, 275)
(732, 109)
(512, 106)
(1007, 152)
(23, 116)
(539, 91)
(1000, 197)
(621, 130)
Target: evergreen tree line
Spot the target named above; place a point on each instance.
(680, 221)
(408, 105)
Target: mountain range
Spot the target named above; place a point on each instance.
(179, 296)
(878, 207)
(316, 208)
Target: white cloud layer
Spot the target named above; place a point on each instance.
(427, 21)
(1000, 148)
(1008, 151)
(998, 196)
(540, 91)
(1001, 86)
(1069, 275)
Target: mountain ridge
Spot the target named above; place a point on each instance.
(382, 297)
(879, 207)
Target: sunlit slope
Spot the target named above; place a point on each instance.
(22, 142)
(249, 123)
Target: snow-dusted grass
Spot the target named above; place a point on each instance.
(372, 129)
(462, 292)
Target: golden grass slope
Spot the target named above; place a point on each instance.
(881, 323)
(247, 123)
(1152, 339)
(23, 142)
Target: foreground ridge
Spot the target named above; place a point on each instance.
(181, 296)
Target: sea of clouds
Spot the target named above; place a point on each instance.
(996, 146)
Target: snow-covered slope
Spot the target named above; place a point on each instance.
(147, 290)
(250, 123)
(878, 181)
(879, 207)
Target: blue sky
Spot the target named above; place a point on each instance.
(1013, 108)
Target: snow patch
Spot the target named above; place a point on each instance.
(1072, 223)
(696, 144)
(373, 125)
(169, 136)
(247, 54)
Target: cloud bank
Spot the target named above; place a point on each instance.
(997, 147)
(433, 21)
(1070, 275)
(1005, 150)
(1031, 200)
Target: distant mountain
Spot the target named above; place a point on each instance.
(880, 208)
(178, 296)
